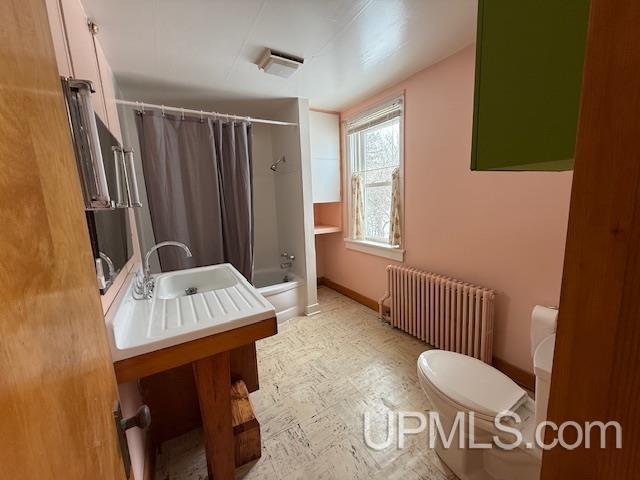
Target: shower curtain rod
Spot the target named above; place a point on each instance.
(202, 113)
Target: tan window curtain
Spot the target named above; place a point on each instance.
(395, 229)
(357, 202)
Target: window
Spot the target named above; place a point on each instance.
(374, 146)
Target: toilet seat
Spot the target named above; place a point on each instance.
(470, 383)
(455, 384)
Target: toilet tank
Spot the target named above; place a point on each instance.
(543, 324)
(542, 366)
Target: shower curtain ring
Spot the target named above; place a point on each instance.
(182, 114)
(162, 108)
(201, 116)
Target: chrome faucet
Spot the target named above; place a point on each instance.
(144, 286)
(288, 263)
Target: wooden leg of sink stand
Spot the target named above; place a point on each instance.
(213, 382)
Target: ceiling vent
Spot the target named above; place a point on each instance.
(278, 63)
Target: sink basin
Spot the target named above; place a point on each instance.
(186, 305)
(178, 284)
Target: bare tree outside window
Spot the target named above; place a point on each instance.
(375, 153)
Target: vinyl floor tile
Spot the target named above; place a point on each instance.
(318, 377)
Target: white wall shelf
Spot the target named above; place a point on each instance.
(322, 229)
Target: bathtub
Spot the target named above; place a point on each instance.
(287, 297)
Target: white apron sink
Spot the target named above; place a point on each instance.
(197, 280)
(186, 305)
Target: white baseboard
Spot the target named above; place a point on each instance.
(287, 314)
(311, 310)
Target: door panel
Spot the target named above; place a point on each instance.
(83, 52)
(57, 385)
(108, 88)
(60, 46)
(324, 133)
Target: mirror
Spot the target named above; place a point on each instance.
(110, 230)
(111, 241)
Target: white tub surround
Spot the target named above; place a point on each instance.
(311, 310)
(224, 300)
(311, 304)
(287, 297)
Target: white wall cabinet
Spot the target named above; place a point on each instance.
(109, 92)
(324, 133)
(79, 55)
(82, 51)
(60, 45)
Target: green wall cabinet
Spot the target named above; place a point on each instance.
(529, 64)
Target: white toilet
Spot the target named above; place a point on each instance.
(458, 383)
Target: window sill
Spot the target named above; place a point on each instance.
(373, 248)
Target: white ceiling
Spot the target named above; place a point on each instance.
(195, 51)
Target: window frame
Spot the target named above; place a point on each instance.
(382, 249)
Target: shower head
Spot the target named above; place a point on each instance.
(274, 166)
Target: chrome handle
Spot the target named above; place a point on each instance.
(131, 179)
(94, 171)
(118, 159)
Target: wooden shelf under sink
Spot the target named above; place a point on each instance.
(210, 364)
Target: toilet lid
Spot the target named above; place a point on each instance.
(469, 382)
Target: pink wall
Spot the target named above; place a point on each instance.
(504, 230)
(320, 255)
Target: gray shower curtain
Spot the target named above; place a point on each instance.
(198, 176)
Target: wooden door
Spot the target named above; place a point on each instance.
(57, 384)
(596, 371)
